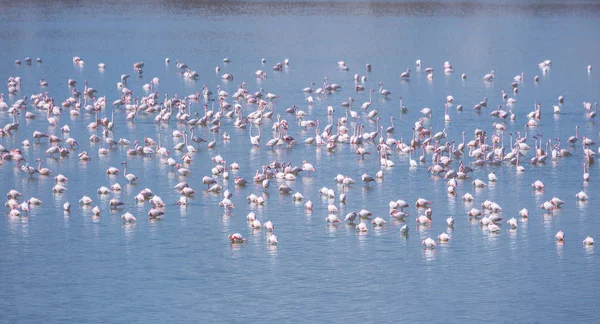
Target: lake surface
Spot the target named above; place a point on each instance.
(72, 267)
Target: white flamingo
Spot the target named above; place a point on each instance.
(129, 176)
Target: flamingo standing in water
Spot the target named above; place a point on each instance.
(366, 179)
(429, 242)
(236, 238)
(43, 171)
(255, 140)
(308, 167)
(382, 91)
(362, 227)
(129, 176)
(573, 139)
(367, 104)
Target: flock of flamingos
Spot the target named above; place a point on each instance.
(247, 110)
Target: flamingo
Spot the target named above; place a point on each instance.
(362, 227)
(575, 138)
(493, 228)
(128, 218)
(37, 135)
(129, 176)
(391, 128)
(421, 202)
(581, 196)
(29, 169)
(378, 221)
(350, 217)
(103, 190)
(268, 225)
(85, 200)
(366, 179)
(255, 140)
(308, 205)
(474, 212)
(236, 238)
(443, 238)
(367, 104)
(308, 167)
(489, 77)
(405, 75)
(382, 91)
(272, 239)
(429, 243)
(423, 220)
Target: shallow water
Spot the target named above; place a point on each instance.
(73, 268)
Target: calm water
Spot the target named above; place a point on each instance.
(72, 268)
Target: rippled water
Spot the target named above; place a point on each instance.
(74, 268)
